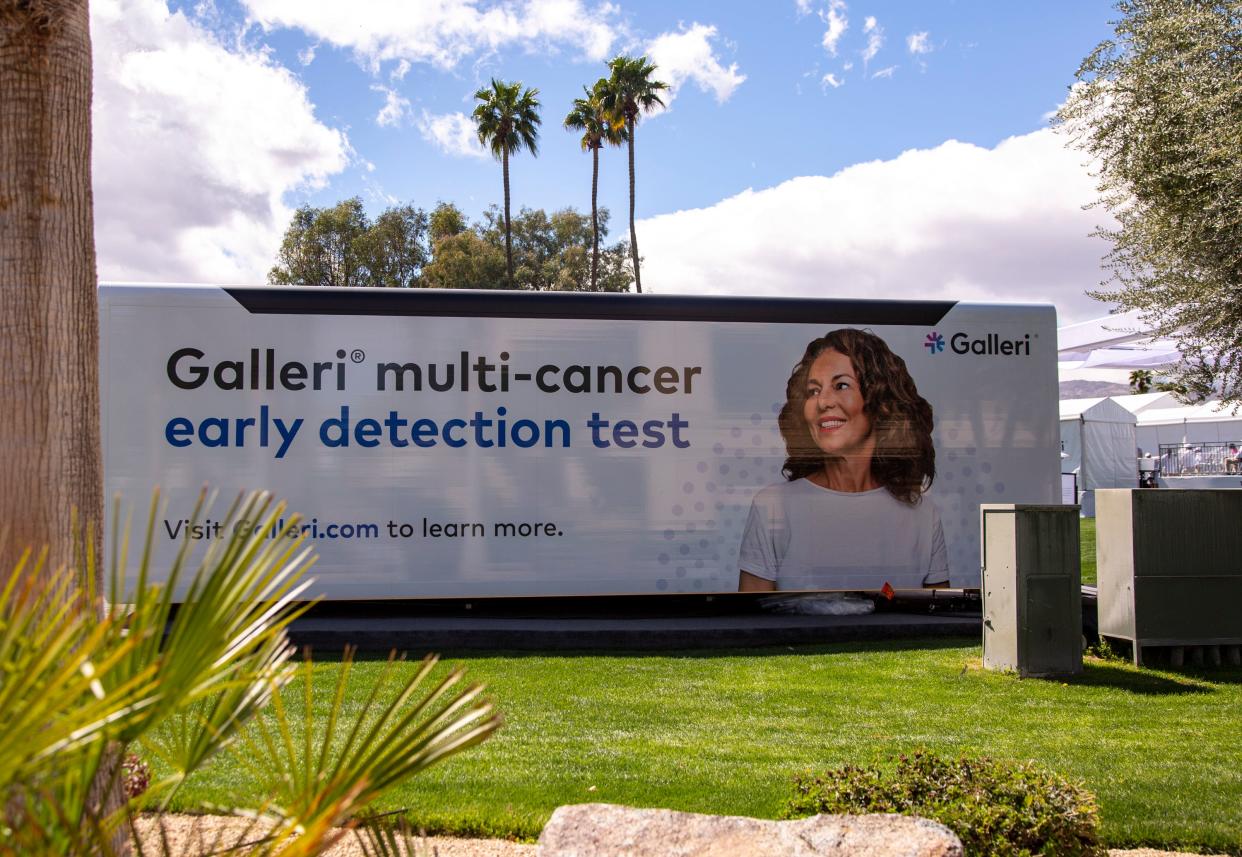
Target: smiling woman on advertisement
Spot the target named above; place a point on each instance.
(852, 515)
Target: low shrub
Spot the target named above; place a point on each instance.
(1005, 809)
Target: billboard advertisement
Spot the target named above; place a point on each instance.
(475, 444)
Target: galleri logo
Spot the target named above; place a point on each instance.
(988, 345)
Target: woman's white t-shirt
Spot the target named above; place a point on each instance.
(803, 536)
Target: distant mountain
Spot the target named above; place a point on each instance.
(1092, 389)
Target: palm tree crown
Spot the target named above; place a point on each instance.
(507, 118)
(589, 117)
(631, 91)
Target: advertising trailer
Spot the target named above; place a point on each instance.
(443, 444)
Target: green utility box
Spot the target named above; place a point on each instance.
(1170, 568)
(1032, 589)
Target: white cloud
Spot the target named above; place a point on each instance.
(919, 43)
(396, 107)
(832, 80)
(444, 32)
(885, 72)
(453, 133)
(687, 56)
(954, 222)
(875, 39)
(306, 56)
(837, 25)
(804, 6)
(195, 146)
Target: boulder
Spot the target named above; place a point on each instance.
(605, 830)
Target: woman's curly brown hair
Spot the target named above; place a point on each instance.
(901, 419)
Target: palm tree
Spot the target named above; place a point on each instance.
(508, 121)
(589, 117)
(631, 91)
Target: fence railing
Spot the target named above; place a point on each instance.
(1200, 459)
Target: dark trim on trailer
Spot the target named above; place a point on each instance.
(304, 300)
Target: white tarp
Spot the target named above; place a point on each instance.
(1098, 437)
(1140, 402)
(1208, 422)
(1074, 341)
(1108, 348)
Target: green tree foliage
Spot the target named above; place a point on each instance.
(629, 92)
(589, 116)
(406, 247)
(553, 253)
(507, 118)
(341, 246)
(394, 248)
(1160, 107)
(466, 261)
(446, 220)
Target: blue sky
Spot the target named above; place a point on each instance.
(807, 147)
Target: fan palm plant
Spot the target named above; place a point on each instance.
(630, 92)
(78, 692)
(589, 117)
(507, 119)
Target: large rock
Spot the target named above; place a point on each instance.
(604, 830)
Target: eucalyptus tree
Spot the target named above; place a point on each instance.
(507, 118)
(589, 116)
(631, 91)
(1158, 105)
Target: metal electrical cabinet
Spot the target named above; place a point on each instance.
(1032, 588)
(1170, 567)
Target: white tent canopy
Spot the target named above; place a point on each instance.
(1123, 328)
(1208, 422)
(1098, 438)
(1140, 402)
(1107, 348)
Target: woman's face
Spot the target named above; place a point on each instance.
(834, 407)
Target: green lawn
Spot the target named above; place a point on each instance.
(1086, 538)
(722, 732)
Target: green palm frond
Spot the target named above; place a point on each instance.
(339, 764)
(507, 118)
(62, 682)
(183, 668)
(225, 647)
(631, 90)
(589, 116)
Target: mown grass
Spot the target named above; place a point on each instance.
(1086, 541)
(722, 732)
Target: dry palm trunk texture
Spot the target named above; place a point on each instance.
(49, 334)
(50, 460)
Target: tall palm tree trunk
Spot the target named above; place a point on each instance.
(594, 218)
(638, 280)
(504, 160)
(50, 459)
